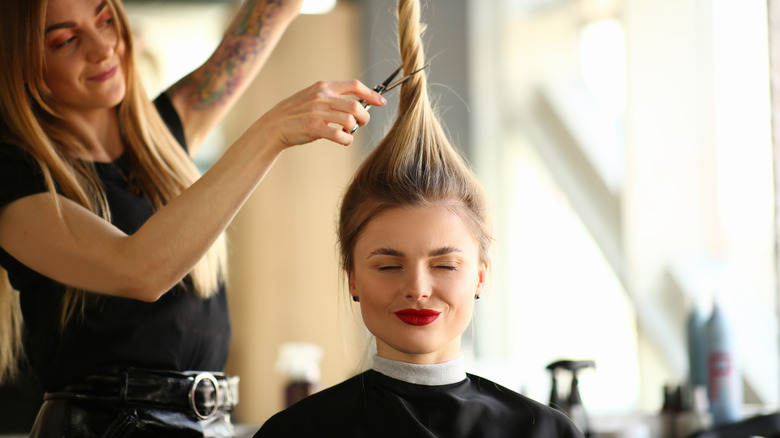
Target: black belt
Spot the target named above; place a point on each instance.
(203, 394)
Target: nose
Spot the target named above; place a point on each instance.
(418, 284)
(100, 46)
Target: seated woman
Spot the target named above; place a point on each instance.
(414, 238)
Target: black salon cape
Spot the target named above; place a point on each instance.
(374, 405)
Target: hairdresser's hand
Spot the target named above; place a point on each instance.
(326, 110)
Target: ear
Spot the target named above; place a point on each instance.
(352, 287)
(482, 277)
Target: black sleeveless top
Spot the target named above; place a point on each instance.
(177, 332)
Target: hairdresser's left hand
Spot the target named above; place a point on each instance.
(324, 110)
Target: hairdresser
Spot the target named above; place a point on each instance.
(111, 243)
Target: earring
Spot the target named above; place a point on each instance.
(355, 298)
(476, 297)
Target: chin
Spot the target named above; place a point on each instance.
(118, 96)
(418, 349)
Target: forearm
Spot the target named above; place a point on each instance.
(248, 42)
(207, 94)
(179, 234)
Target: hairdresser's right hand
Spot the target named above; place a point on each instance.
(325, 110)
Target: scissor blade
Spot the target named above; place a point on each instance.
(403, 79)
(381, 88)
(389, 79)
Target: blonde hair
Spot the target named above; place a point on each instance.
(414, 164)
(160, 168)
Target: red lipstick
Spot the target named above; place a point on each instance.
(417, 316)
(104, 75)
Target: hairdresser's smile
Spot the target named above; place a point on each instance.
(84, 56)
(104, 75)
(416, 274)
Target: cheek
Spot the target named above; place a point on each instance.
(374, 292)
(459, 294)
(56, 73)
(375, 298)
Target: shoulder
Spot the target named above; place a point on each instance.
(20, 174)
(171, 118)
(538, 419)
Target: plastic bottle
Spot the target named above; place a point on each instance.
(698, 315)
(301, 362)
(724, 379)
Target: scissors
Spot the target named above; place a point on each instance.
(388, 85)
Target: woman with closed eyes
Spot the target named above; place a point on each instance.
(414, 239)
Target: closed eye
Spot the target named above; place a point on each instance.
(389, 268)
(65, 43)
(446, 267)
(106, 17)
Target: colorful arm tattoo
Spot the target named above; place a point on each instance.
(244, 42)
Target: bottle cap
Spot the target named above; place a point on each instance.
(300, 361)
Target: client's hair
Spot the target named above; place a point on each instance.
(415, 164)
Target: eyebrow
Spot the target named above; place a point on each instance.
(386, 252)
(396, 253)
(444, 251)
(67, 24)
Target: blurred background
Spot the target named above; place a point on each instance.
(627, 148)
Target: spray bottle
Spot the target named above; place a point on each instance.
(724, 380)
(571, 404)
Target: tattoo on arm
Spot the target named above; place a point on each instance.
(225, 71)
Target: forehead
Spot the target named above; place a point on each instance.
(57, 10)
(417, 229)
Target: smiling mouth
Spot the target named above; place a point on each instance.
(417, 316)
(105, 75)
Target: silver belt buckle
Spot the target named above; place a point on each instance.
(217, 395)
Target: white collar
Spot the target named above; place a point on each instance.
(431, 375)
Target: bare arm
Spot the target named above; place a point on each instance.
(85, 251)
(203, 97)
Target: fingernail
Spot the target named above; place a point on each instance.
(382, 99)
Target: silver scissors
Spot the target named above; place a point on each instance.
(388, 85)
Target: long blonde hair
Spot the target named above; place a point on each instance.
(160, 168)
(414, 164)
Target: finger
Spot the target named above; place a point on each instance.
(338, 135)
(352, 109)
(348, 121)
(330, 125)
(360, 90)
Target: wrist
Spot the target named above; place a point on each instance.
(290, 9)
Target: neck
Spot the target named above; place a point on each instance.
(446, 353)
(98, 132)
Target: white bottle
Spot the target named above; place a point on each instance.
(724, 379)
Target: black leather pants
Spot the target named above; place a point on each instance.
(140, 403)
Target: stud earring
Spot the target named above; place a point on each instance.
(355, 298)
(476, 297)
